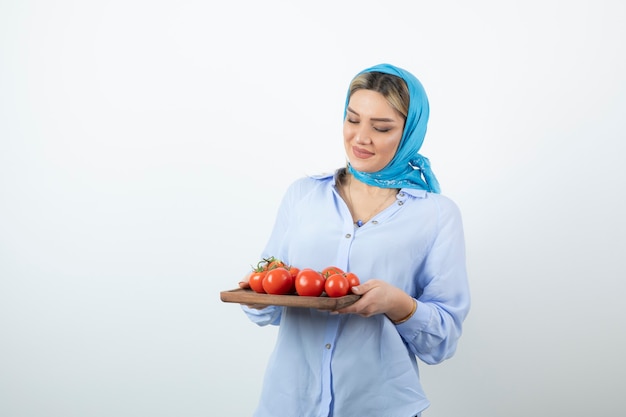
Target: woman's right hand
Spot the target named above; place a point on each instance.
(244, 283)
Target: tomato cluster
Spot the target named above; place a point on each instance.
(272, 276)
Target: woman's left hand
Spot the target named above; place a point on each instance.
(380, 297)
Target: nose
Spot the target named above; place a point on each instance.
(362, 136)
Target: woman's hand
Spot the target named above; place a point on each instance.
(380, 297)
(245, 283)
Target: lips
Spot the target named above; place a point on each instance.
(361, 153)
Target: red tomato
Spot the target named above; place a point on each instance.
(277, 281)
(330, 270)
(309, 283)
(336, 285)
(353, 280)
(256, 281)
(294, 274)
(272, 263)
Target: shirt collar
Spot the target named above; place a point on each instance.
(413, 192)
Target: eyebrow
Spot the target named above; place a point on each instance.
(376, 119)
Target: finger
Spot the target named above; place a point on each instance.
(244, 283)
(363, 287)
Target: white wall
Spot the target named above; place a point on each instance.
(144, 147)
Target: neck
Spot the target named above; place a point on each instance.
(365, 201)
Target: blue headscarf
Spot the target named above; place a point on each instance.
(407, 168)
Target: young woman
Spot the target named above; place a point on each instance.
(381, 217)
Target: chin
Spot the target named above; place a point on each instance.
(365, 167)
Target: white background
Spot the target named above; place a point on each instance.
(145, 145)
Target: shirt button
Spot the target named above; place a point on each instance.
(348, 236)
(400, 203)
(374, 221)
(400, 194)
(327, 346)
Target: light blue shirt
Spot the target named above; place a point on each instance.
(347, 365)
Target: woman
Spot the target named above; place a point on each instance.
(381, 217)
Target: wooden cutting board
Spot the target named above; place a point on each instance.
(323, 302)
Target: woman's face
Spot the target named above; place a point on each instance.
(372, 131)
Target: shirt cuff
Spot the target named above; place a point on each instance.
(417, 322)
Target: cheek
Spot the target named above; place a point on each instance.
(394, 144)
(390, 148)
(348, 134)
(393, 147)
(346, 131)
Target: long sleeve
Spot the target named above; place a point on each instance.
(434, 330)
(263, 317)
